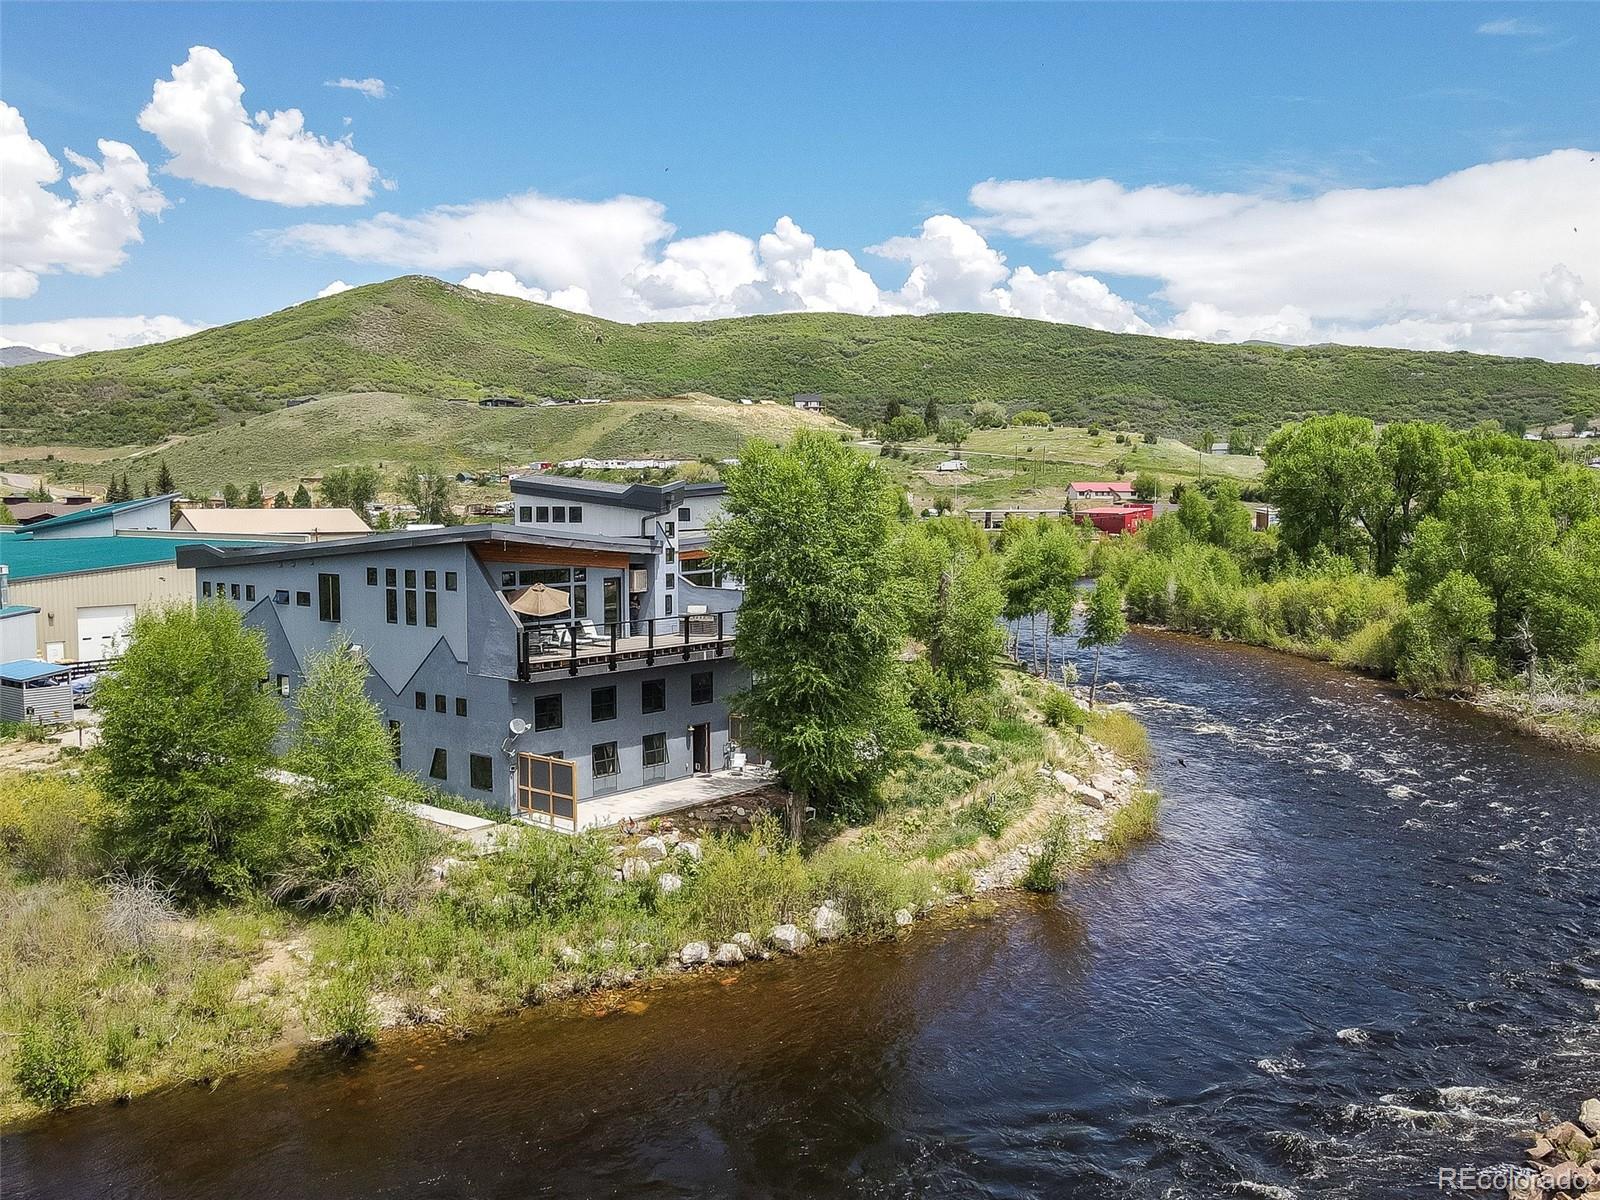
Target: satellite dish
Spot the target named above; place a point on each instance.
(518, 727)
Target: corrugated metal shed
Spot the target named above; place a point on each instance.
(37, 692)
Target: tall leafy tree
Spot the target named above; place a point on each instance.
(431, 491)
(186, 737)
(1317, 471)
(351, 487)
(253, 497)
(807, 529)
(302, 498)
(1103, 625)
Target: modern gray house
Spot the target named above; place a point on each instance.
(583, 650)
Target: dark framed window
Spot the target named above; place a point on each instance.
(411, 578)
(302, 599)
(672, 580)
(547, 712)
(603, 760)
(422, 700)
(328, 597)
(249, 591)
(450, 581)
(388, 577)
(683, 516)
(480, 772)
(655, 749)
(234, 591)
(544, 514)
(411, 606)
(671, 529)
(439, 768)
(574, 514)
(281, 596)
(653, 696)
(461, 706)
(391, 606)
(205, 587)
(558, 515)
(430, 609)
(525, 514)
(671, 555)
(700, 687)
(430, 579)
(439, 703)
(668, 609)
(508, 579)
(603, 703)
(372, 576)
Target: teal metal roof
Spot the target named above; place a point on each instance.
(16, 610)
(94, 512)
(30, 557)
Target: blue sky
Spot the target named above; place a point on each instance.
(1366, 173)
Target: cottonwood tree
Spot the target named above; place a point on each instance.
(186, 737)
(430, 491)
(350, 487)
(1103, 625)
(807, 530)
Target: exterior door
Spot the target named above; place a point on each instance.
(547, 788)
(700, 735)
(612, 592)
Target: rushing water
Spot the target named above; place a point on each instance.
(1366, 945)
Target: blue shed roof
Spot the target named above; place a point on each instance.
(30, 557)
(16, 610)
(26, 670)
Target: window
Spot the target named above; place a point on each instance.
(411, 579)
(281, 596)
(558, 515)
(430, 609)
(249, 591)
(603, 703)
(683, 516)
(668, 605)
(439, 768)
(430, 579)
(672, 555)
(388, 577)
(411, 606)
(603, 760)
(655, 749)
(574, 514)
(328, 597)
(480, 772)
(391, 606)
(461, 706)
(234, 592)
(653, 695)
(205, 587)
(372, 576)
(449, 581)
(283, 685)
(700, 687)
(302, 599)
(439, 703)
(508, 579)
(671, 529)
(547, 712)
(544, 514)
(422, 700)
(672, 580)
(525, 514)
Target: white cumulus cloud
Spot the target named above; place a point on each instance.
(42, 232)
(76, 335)
(1503, 257)
(334, 288)
(372, 89)
(199, 116)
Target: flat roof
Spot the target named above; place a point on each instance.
(29, 557)
(201, 554)
(648, 497)
(245, 521)
(16, 610)
(26, 670)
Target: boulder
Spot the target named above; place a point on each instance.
(635, 868)
(902, 917)
(791, 939)
(694, 954)
(746, 943)
(671, 837)
(827, 923)
(727, 955)
(1093, 797)
(690, 850)
(668, 882)
(1541, 1147)
(1589, 1116)
(1562, 1134)
(569, 957)
(1129, 775)
(651, 849)
(1066, 779)
(1103, 783)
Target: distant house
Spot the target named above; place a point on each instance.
(592, 400)
(297, 401)
(501, 402)
(953, 464)
(30, 512)
(1115, 518)
(1096, 492)
(1531, 436)
(315, 523)
(809, 401)
(1264, 517)
(1220, 448)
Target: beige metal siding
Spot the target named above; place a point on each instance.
(58, 599)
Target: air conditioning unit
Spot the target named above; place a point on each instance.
(638, 581)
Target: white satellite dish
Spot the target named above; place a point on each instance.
(518, 727)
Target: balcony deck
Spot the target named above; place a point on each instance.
(583, 648)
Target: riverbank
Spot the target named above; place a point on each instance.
(109, 992)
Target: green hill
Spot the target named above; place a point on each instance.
(419, 337)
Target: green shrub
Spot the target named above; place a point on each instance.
(1133, 822)
(52, 1060)
(1062, 711)
(341, 1012)
(50, 824)
(1057, 851)
(745, 884)
(1122, 735)
(869, 885)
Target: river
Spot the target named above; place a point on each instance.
(1365, 946)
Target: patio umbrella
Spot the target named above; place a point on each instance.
(541, 601)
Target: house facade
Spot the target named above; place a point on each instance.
(529, 666)
(1111, 492)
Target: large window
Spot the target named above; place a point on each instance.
(653, 693)
(655, 749)
(604, 760)
(439, 768)
(700, 687)
(603, 703)
(430, 609)
(547, 712)
(571, 580)
(328, 597)
(480, 770)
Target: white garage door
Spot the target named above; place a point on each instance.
(103, 631)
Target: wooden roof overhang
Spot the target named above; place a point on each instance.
(550, 556)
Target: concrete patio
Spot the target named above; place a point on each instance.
(659, 799)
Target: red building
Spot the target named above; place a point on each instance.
(1115, 518)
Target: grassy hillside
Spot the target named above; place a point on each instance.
(279, 448)
(418, 336)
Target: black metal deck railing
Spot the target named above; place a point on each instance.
(548, 646)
